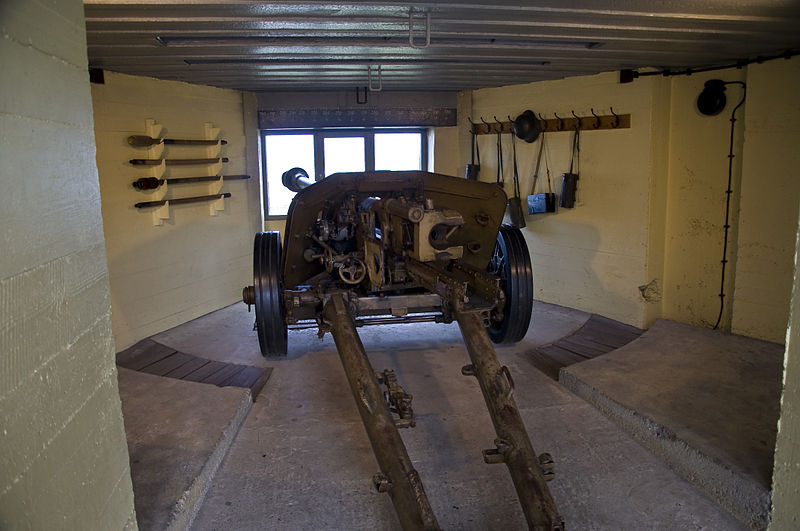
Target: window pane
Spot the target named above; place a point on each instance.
(285, 152)
(344, 154)
(398, 151)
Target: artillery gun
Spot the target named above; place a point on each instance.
(382, 247)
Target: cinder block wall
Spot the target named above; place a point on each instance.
(63, 454)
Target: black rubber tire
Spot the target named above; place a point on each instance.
(270, 313)
(512, 262)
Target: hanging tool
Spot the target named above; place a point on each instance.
(175, 162)
(515, 213)
(147, 141)
(151, 183)
(546, 202)
(474, 168)
(500, 177)
(181, 200)
(569, 180)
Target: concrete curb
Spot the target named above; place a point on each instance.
(747, 501)
(188, 505)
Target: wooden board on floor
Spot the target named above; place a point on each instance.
(598, 336)
(154, 358)
(142, 354)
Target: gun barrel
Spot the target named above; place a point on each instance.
(296, 179)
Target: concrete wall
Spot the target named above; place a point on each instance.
(651, 199)
(592, 257)
(697, 180)
(446, 160)
(63, 455)
(195, 262)
(770, 193)
(786, 474)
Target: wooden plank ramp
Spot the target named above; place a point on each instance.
(154, 358)
(599, 335)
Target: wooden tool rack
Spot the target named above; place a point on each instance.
(593, 122)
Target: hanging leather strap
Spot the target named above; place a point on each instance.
(576, 151)
(500, 179)
(547, 167)
(538, 164)
(476, 150)
(516, 172)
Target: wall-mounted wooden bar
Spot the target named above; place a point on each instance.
(559, 124)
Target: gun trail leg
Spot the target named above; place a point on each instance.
(514, 447)
(399, 478)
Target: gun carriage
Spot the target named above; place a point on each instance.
(373, 248)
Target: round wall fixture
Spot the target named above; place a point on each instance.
(712, 100)
(527, 126)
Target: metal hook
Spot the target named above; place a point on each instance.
(359, 99)
(616, 118)
(560, 125)
(411, 41)
(488, 125)
(499, 125)
(577, 120)
(596, 123)
(379, 86)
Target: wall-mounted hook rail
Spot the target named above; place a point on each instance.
(594, 122)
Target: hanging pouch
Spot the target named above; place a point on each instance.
(569, 181)
(515, 212)
(543, 202)
(474, 168)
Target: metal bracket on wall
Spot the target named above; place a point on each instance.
(553, 125)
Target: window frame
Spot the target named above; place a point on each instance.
(320, 134)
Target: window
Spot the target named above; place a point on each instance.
(322, 152)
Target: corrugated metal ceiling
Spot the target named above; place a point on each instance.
(289, 46)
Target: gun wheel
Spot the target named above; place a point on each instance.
(512, 263)
(270, 320)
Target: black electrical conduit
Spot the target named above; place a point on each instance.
(626, 76)
(728, 193)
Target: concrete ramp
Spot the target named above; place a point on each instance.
(706, 402)
(178, 434)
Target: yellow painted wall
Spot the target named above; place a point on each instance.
(63, 455)
(698, 175)
(592, 257)
(195, 262)
(446, 160)
(770, 192)
(651, 199)
(786, 475)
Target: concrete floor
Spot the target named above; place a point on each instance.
(712, 416)
(178, 432)
(302, 459)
